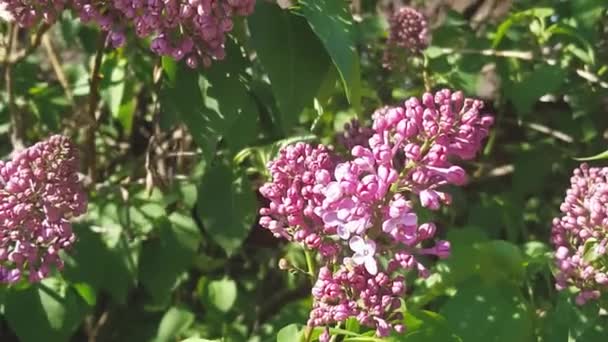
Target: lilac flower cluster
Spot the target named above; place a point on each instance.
(193, 30)
(40, 192)
(358, 211)
(408, 32)
(581, 234)
(30, 13)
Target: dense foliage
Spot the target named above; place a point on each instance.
(240, 170)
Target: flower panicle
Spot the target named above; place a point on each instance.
(580, 235)
(41, 191)
(358, 210)
(194, 30)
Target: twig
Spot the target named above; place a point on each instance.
(91, 119)
(56, 65)
(23, 54)
(525, 55)
(528, 56)
(15, 117)
(94, 330)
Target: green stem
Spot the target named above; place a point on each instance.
(337, 328)
(310, 263)
(425, 73)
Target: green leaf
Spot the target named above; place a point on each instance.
(126, 111)
(426, 326)
(243, 132)
(226, 206)
(209, 103)
(222, 294)
(465, 257)
(501, 261)
(293, 57)
(332, 22)
(142, 213)
(165, 257)
(293, 312)
(528, 178)
(544, 80)
(105, 260)
(174, 322)
(87, 293)
(591, 251)
(48, 103)
(181, 96)
(603, 155)
(493, 314)
(290, 333)
(568, 321)
(226, 92)
(50, 311)
(503, 28)
(538, 256)
(113, 84)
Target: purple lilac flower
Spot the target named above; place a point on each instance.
(358, 210)
(30, 13)
(193, 30)
(40, 192)
(364, 253)
(580, 235)
(354, 292)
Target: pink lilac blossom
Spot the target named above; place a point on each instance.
(357, 210)
(408, 33)
(190, 30)
(580, 235)
(40, 192)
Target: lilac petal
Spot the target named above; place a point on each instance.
(370, 246)
(359, 259)
(410, 219)
(343, 214)
(389, 225)
(356, 226)
(371, 265)
(333, 192)
(331, 219)
(343, 232)
(341, 171)
(346, 203)
(357, 244)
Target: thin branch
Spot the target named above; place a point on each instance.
(56, 65)
(528, 56)
(94, 330)
(91, 119)
(23, 54)
(17, 129)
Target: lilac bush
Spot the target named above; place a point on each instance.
(193, 30)
(358, 211)
(581, 234)
(41, 191)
